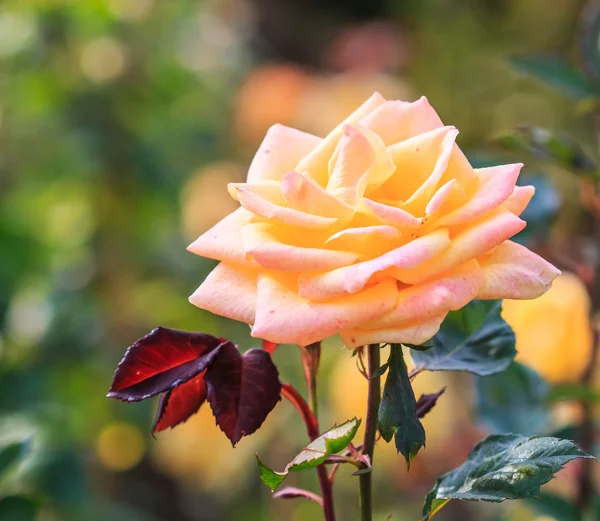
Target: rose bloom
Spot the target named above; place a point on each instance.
(375, 232)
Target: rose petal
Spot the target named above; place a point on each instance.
(302, 193)
(416, 333)
(269, 190)
(496, 184)
(317, 161)
(395, 121)
(449, 195)
(284, 317)
(280, 152)
(391, 215)
(451, 291)
(368, 241)
(223, 241)
(352, 279)
(471, 242)
(519, 199)
(514, 272)
(263, 242)
(419, 161)
(253, 202)
(229, 291)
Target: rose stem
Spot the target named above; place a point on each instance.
(311, 356)
(374, 397)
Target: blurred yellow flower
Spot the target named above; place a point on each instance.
(103, 59)
(553, 332)
(198, 452)
(120, 446)
(204, 198)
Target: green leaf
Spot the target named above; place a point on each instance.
(418, 347)
(558, 74)
(380, 371)
(503, 466)
(556, 507)
(18, 508)
(13, 454)
(567, 392)
(542, 143)
(474, 338)
(331, 442)
(515, 400)
(398, 409)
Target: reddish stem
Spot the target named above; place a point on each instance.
(289, 392)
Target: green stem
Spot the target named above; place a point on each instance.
(374, 397)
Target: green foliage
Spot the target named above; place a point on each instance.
(558, 74)
(543, 143)
(331, 442)
(398, 410)
(503, 466)
(515, 400)
(18, 508)
(12, 454)
(556, 507)
(541, 212)
(474, 339)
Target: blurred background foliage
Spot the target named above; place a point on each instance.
(121, 122)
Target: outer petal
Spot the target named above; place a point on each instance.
(269, 190)
(519, 199)
(280, 152)
(421, 302)
(223, 241)
(415, 333)
(302, 193)
(262, 243)
(316, 162)
(497, 183)
(473, 241)
(352, 279)
(254, 203)
(514, 272)
(229, 291)
(395, 121)
(286, 318)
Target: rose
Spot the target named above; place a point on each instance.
(554, 334)
(375, 232)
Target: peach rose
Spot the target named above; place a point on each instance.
(375, 232)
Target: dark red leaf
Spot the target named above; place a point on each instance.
(426, 402)
(178, 405)
(242, 390)
(293, 493)
(161, 361)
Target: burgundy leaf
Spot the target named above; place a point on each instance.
(426, 402)
(161, 361)
(242, 390)
(177, 405)
(293, 493)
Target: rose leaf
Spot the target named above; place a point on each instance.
(502, 466)
(474, 339)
